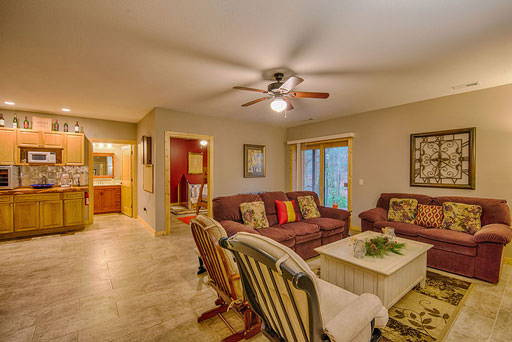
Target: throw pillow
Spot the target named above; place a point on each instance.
(429, 216)
(253, 214)
(286, 211)
(308, 207)
(402, 210)
(461, 217)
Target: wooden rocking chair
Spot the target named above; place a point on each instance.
(223, 278)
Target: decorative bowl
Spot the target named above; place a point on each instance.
(41, 186)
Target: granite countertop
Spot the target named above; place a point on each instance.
(55, 189)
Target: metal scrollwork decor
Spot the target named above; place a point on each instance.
(444, 159)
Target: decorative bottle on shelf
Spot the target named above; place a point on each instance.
(56, 125)
(15, 121)
(66, 127)
(77, 127)
(26, 124)
(2, 120)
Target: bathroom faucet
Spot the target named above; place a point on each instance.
(43, 180)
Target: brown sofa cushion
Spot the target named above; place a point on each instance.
(269, 199)
(400, 227)
(374, 215)
(449, 236)
(498, 233)
(277, 233)
(326, 223)
(383, 201)
(232, 227)
(493, 210)
(301, 228)
(228, 207)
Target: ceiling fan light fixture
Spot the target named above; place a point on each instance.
(278, 104)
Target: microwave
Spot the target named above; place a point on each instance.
(42, 157)
(9, 177)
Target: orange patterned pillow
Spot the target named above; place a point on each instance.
(430, 216)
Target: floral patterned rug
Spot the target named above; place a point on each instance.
(425, 315)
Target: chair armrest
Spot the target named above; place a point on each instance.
(495, 232)
(233, 227)
(348, 323)
(375, 214)
(339, 214)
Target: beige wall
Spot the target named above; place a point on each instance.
(381, 144)
(93, 128)
(229, 137)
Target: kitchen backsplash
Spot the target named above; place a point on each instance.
(78, 175)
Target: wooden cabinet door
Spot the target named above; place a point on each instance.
(98, 202)
(53, 140)
(26, 216)
(8, 146)
(73, 212)
(28, 138)
(50, 213)
(74, 149)
(6, 223)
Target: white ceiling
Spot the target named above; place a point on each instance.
(119, 59)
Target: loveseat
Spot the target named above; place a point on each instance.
(302, 236)
(479, 255)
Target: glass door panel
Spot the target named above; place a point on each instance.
(336, 176)
(311, 169)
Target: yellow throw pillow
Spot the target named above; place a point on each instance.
(253, 214)
(461, 217)
(402, 210)
(308, 207)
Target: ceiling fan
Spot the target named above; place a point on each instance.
(280, 92)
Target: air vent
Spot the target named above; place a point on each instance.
(465, 85)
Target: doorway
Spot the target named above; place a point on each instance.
(188, 169)
(113, 173)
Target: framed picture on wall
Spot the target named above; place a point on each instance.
(195, 163)
(254, 161)
(146, 151)
(443, 159)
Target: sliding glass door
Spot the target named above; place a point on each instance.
(326, 171)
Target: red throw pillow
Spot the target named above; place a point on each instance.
(430, 216)
(286, 211)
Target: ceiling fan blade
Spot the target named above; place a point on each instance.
(250, 89)
(291, 83)
(309, 94)
(289, 103)
(254, 101)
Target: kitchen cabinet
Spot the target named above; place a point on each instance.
(74, 151)
(107, 199)
(26, 216)
(28, 138)
(8, 146)
(50, 214)
(73, 212)
(53, 140)
(6, 214)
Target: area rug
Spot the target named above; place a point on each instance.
(425, 315)
(186, 219)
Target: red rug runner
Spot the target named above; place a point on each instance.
(186, 219)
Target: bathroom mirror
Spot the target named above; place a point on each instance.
(103, 165)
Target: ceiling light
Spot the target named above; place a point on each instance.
(203, 142)
(278, 104)
(10, 103)
(109, 145)
(101, 145)
(65, 109)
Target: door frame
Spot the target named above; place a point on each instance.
(133, 144)
(167, 161)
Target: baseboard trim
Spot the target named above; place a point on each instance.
(151, 229)
(507, 260)
(355, 228)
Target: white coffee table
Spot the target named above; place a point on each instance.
(390, 277)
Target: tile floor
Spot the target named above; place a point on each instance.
(115, 282)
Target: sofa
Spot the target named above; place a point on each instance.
(302, 236)
(478, 256)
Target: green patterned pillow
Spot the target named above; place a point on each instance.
(461, 217)
(402, 210)
(253, 214)
(308, 207)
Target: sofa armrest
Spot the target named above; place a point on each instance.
(233, 227)
(495, 232)
(375, 214)
(355, 317)
(339, 214)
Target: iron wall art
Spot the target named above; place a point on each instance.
(444, 159)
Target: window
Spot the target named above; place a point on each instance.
(325, 168)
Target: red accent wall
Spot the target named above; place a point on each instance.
(179, 165)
